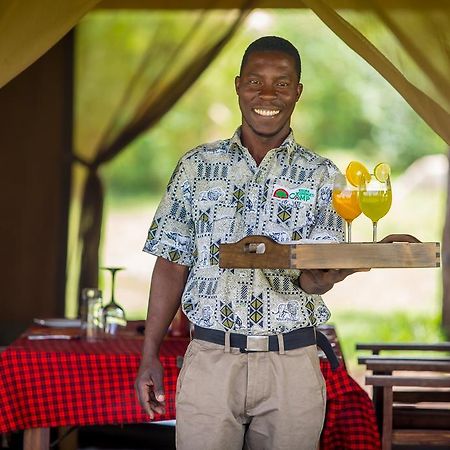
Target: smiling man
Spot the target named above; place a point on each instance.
(251, 375)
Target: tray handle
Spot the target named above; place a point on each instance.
(254, 252)
(257, 244)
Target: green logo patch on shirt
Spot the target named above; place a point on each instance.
(296, 194)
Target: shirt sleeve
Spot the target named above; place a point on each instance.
(328, 224)
(171, 234)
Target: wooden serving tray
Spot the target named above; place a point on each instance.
(261, 252)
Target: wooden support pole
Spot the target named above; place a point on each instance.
(36, 439)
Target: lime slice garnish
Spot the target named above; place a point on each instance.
(355, 171)
(382, 172)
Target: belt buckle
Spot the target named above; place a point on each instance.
(257, 344)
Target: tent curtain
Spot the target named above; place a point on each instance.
(160, 79)
(409, 47)
(29, 28)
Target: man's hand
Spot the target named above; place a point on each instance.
(149, 387)
(399, 238)
(319, 281)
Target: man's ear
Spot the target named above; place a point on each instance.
(299, 91)
(237, 81)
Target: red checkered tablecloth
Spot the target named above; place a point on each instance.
(350, 422)
(54, 383)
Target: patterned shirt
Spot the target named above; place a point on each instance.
(218, 194)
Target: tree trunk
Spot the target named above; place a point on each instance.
(445, 260)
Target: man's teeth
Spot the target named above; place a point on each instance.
(267, 112)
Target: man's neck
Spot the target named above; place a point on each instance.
(259, 146)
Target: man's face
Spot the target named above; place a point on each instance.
(268, 89)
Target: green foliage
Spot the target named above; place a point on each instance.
(346, 105)
(368, 327)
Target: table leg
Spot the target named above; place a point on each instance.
(378, 402)
(36, 439)
(377, 398)
(386, 438)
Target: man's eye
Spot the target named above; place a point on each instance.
(282, 84)
(253, 81)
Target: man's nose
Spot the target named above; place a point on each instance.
(267, 91)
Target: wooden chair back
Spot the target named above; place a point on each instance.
(411, 393)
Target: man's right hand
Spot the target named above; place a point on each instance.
(149, 387)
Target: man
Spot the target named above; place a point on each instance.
(237, 386)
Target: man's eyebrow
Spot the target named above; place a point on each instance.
(279, 77)
(253, 74)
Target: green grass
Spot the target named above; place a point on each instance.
(134, 201)
(354, 327)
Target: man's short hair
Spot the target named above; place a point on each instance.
(273, 44)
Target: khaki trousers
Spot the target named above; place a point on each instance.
(256, 401)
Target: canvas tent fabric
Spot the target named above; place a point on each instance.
(28, 29)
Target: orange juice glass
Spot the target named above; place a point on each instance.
(345, 202)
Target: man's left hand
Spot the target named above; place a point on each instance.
(319, 281)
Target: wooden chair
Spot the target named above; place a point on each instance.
(411, 394)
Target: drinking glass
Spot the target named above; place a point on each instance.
(375, 199)
(113, 313)
(345, 202)
(91, 312)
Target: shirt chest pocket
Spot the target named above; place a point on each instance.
(289, 219)
(287, 213)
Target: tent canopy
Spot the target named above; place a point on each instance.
(356, 5)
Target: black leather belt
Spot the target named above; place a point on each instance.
(294, 339)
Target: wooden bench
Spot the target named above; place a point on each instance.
(411, 394)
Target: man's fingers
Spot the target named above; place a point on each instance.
(150, 389)
(158, 387)
(156, 393)
(157, 398)
(157, 402)
(399, 238)
(143, 390)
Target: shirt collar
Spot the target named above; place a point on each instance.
(288, 144)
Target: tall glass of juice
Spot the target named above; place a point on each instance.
(345, 202)
(375, 199)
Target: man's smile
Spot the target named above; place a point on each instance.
(266, 112)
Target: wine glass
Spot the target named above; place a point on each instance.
(345, 202)
(113, 314)
(375, 199)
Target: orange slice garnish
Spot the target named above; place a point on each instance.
(355, 171)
